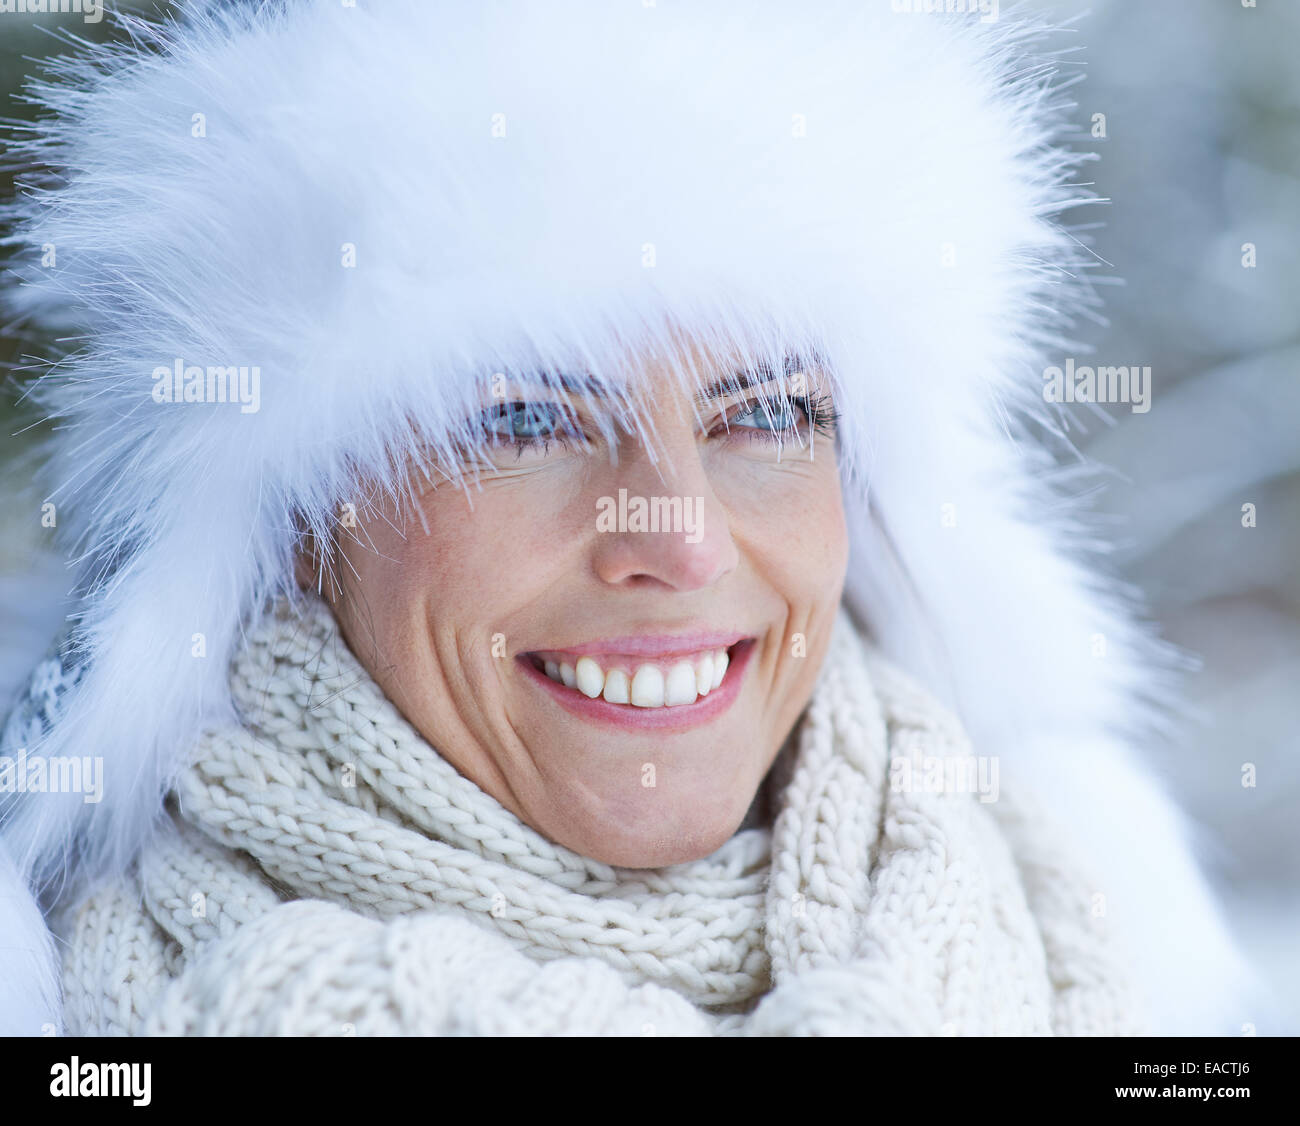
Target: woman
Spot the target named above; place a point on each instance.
(567, 543)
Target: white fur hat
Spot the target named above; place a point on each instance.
(376, 205)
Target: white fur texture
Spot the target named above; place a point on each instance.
(629, 131)
(29, 983)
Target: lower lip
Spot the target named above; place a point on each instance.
(681, 717)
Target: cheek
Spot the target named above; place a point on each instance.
(791, 524)
(481, 551)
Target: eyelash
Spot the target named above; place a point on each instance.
(522, 444)
(816, 408)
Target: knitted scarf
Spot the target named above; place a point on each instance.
(325, 872)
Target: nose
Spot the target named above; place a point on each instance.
(663, 525)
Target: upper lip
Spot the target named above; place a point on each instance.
(651, 646)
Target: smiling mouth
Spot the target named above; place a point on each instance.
(637, 683)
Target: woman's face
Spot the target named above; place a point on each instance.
(639, 749)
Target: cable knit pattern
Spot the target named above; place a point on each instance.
(326, 872)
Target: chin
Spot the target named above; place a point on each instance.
(656, 848)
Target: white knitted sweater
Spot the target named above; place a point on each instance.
(326, 872)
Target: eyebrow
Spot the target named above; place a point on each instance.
(759, 373)
(739, 380)
(573, 384)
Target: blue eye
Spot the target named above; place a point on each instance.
(523, 421)
(778, 417)
(784, 421)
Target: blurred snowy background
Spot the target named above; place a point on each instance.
(1201, 156)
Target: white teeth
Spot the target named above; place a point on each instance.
(648, 687)
(618, 689)
(651, 686)
(588, 677)
(704, 675)
(680, 686)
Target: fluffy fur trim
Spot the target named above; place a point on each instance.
(529, 187)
